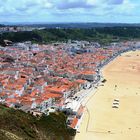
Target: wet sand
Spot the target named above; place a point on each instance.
(101, 121)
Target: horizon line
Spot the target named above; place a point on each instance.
(43, 22)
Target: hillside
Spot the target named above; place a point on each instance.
(17, 125)
(102, 35)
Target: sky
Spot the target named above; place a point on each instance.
(47, 11)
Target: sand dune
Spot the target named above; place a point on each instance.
(101, 121)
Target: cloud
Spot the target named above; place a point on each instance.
(70, 4)
(98, 7)
(23, 4)
(73, 4)
(65, 10)
(116, 1)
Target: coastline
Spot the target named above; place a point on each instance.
(85, 115)
(93, 90)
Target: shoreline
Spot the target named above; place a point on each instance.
(84, 114)
(93, 89)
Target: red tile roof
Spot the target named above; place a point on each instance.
(74, 122)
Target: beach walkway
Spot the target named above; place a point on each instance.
(113, 113)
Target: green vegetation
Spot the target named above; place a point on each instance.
(102, 35)
(18, 125)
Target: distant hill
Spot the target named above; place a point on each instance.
(2, 25)
(104, 35)
(72, 25)
(86, 25)
(17, 125)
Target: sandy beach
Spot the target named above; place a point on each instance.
(101, 121)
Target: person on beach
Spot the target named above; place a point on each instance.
(115, 87)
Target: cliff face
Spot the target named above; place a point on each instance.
(17, 125)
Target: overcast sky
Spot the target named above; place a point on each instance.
(124, 11)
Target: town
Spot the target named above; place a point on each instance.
(44, 78)
(19, 28)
